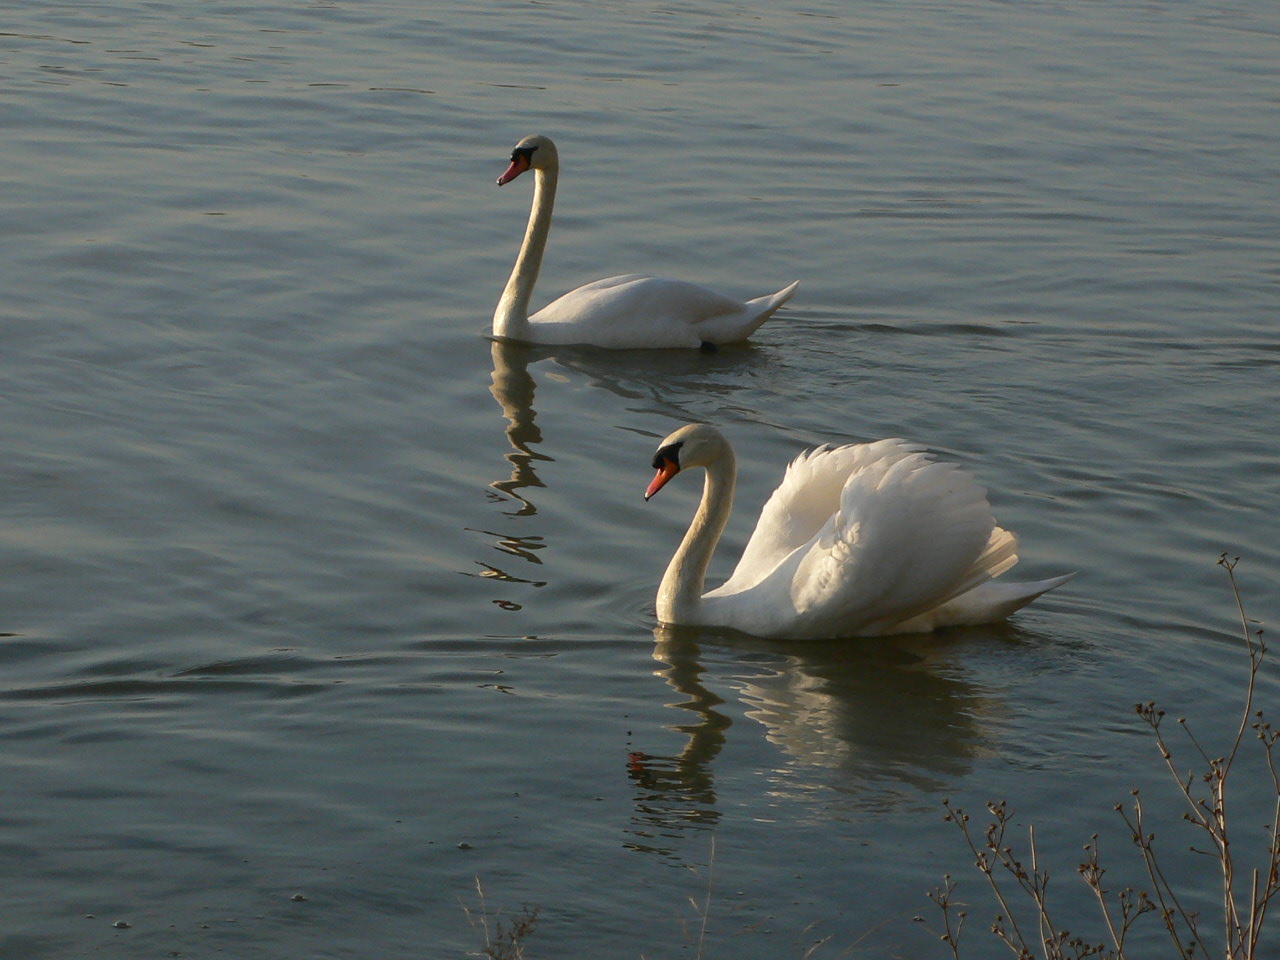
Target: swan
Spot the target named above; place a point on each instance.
(630, 311)
(861, 540)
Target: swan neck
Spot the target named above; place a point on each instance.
(511, 319)
(680, 593)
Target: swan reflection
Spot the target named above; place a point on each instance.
(886, 722)
(513, 388)
(678, 791)
(882, 723)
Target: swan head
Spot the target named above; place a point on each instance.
(695, 445)
(531, 153)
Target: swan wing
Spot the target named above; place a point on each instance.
(910, 534)
(634, 311)
(806, 500)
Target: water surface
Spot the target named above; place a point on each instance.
(321, 606)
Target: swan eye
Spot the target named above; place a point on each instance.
(522, 153)
(668, 454)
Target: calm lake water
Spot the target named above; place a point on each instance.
(320, 607)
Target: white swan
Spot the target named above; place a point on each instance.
(630, 311)
(866, 539)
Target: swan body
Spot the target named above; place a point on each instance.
(624, 312)
(861, 540)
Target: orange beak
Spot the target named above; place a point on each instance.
(668, 470)
(519, 164)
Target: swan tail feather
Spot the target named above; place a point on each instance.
(739, 326)
(989, 602)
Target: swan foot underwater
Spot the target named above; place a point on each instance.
(862, 540)
(625, 312)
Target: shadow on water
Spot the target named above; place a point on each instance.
(880, 721)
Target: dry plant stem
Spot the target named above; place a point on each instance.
(1257, 903)
(706, 905)
(942, 897)
(1204, 790)
(1133, 903)
(484, 918)
(1171, 910)
(1242, 923)
(507, 942)
(849, 951)
(985, 862)
(852, 947)
(1040, 883)
(1091, 872)
(1258, 900)
(817, 945)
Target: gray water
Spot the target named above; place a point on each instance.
(320, 607)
